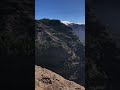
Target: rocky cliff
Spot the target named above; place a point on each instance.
(79, 30)
(59, 50)
(48, 80)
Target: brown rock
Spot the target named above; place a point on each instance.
(48, 80)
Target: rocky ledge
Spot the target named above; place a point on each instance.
(48, 80)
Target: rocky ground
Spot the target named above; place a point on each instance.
(48, 80)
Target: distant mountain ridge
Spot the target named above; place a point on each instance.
(78, 29)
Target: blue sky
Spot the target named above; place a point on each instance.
(65, 10)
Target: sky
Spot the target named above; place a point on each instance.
(64, 10)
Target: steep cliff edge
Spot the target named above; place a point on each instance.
(48, 80)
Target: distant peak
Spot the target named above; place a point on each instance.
(66, 22)
(69, 23)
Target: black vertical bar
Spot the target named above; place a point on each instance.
(17, 37)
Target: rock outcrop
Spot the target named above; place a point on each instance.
(48, 80)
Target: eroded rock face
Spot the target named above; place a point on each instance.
(48, 80)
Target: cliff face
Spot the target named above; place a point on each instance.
(48, 80)
(59, 50)
(79, 30)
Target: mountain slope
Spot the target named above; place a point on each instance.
(59, 50)
(48, 80)
(78, 29)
